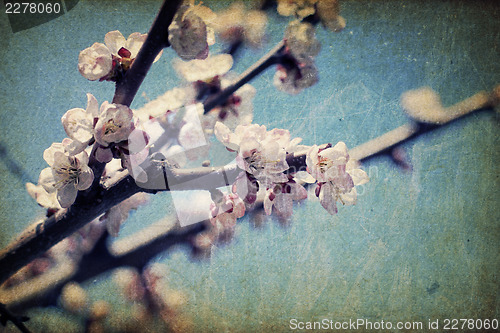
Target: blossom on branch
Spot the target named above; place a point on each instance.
(259, 153)
(297, 70)
(337, 176)
(293, 79)
(299, 8)
(125, 50)
(66, 175)
(188, 33)
(79, 125)
(114, 125)
(110, 60)
(95, 62)
(204, 69)
(281, 197)
(262, 156)
(225, 210)
(209, 77)
(300, 39)
(328, 12)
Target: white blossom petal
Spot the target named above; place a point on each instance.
(114, 41)
(328, 198)
(42, 197)
(103, 155)
(46, 179)
(66, 195)
(92, 106)
(95, 62)
(187, 35)
(359, 176)
(114, 219)
(78, 125)
(134, 43)
(85, 179)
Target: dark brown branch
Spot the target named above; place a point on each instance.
(157, 40)
(99, 261)
(43, 235)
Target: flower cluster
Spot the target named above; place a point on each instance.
(336, 175)
(110, 127)
(325, 11)
(66, 175)
(110, 60)
(225, 209)
(262, 155)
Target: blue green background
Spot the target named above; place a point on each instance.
(418, 245)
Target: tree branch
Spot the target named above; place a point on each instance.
(134, 251)
(269, 59)
(157, 40)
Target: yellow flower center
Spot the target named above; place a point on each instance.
(110, 127)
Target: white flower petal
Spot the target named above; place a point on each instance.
(350, 197)
(328, 199)
(114, 125)
(48, 154)
(114, 41)
(103, 155)
(92, 106)
(46, 179)
(187, 35)
(202, 70)
(78, 125)
(42, 197)
(114, 219)
(223, 134)
(73, 147)
(85, 179)
(95, 62)
(359, 177)
(66, 195)
(304, 177)
(134, 43)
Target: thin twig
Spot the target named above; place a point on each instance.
(269, 59)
